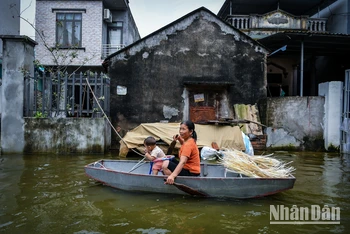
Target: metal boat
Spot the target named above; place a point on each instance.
(215, 180)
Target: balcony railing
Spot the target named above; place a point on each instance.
(245, 22)
(240, 21)
(316, 25)
(108, 49)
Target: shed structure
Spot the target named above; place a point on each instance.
(196, 67)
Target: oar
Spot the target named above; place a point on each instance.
(171, 147)
(137, 164)
(189, 190)
(170, 150)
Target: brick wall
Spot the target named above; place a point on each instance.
(91, 31)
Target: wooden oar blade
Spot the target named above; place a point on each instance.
(171, 148)
(190, 190)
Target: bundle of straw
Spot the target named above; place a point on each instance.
(255, 166)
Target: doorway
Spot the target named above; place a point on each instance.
(208, 103)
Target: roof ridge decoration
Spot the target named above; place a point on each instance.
(283, 13)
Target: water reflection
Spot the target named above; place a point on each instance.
(51, 194)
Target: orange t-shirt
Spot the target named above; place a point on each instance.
(190, 150)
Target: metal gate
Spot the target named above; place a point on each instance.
(345, 127)
(67, 95)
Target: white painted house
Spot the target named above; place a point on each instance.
(82, 32)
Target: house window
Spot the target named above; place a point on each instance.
(115, 34)
(68, 30)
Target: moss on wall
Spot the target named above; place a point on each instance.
(65, 135)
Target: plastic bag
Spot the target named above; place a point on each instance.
(208, 153)
(248, 145)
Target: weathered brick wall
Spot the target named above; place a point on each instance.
(199, 50)
(91, 30)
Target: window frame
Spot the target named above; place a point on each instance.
(115, 26)
(64, 27)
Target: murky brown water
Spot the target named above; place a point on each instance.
(51, 194)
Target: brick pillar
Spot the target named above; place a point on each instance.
(18, 57)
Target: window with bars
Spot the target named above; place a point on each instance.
(68, 30)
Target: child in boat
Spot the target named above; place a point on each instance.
(154, 153)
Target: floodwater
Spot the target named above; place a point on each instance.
(52, 194)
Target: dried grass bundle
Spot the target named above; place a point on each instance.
(255, 166)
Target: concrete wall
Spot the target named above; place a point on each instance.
(69, 135)
(17, 62)
(278, 19)
(35, 135)
(9, 25)
(130, 32)
(9, 18)
(198, 49)
(273, 22)
(338, 17)
(294, 123)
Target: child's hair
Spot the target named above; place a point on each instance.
(149, 141)
(190, 126)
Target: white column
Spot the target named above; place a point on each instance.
(333, 93)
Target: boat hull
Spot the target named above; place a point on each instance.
(215, 180)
